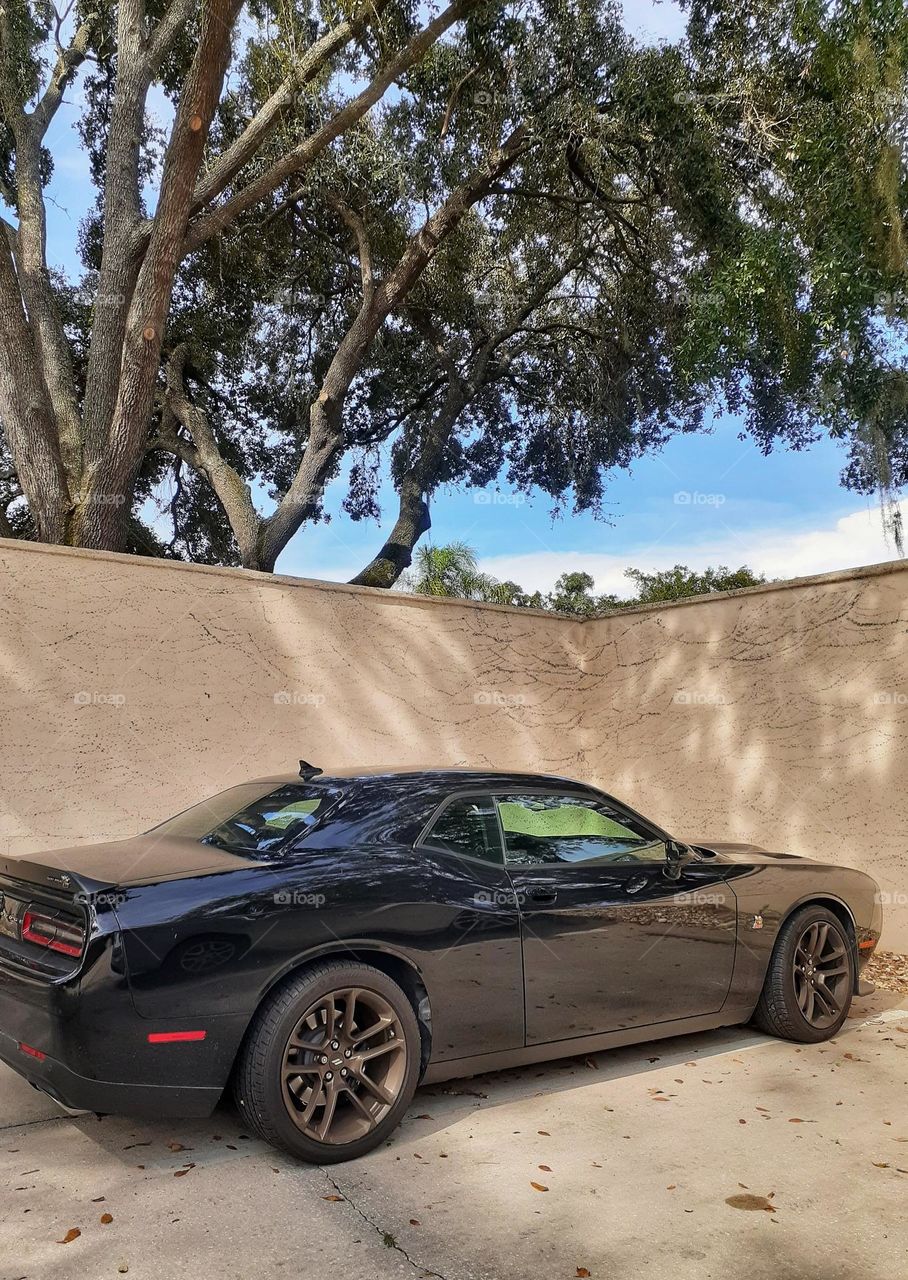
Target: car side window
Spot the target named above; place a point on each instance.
(467, 826)
(543, 829)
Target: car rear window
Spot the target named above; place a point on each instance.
(250, 819)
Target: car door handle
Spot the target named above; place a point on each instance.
(637, 884)
(539, 894)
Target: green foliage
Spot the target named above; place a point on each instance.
(453, 571)
(716, 224)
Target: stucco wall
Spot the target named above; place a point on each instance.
(777, 715)
(130, 688)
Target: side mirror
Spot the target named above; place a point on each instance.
(676, 854)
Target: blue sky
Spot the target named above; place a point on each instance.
(704, 499)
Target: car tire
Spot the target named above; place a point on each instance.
(289, 1076)
(810, 980)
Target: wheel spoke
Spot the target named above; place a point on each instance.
(834, 973)
(311, 1104)
(377, 1051)
(292, 1069)
(350, 1011)
(801, 990)
(384, 1095)
(827, 999)
(327, 1115)
(822, 935)
(383, 1023)
(360, 1106)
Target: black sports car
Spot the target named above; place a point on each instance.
(324, 942)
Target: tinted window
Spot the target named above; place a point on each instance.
(544, 829)
(251, 819)
(467, 826)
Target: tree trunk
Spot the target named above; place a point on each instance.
(397, 554)
(26, 412)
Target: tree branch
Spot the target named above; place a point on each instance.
(68, 62)
(326, 433)
(225, 167)
(234, 494)
(302, 156)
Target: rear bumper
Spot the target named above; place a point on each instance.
(91, 1051)
(82, 1093)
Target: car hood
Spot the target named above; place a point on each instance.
(730, 851)
(118, 863)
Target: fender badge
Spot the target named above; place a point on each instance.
(63, 880)
(757, 922)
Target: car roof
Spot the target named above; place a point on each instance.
(439, 775)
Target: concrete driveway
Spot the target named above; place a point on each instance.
(618, 1166)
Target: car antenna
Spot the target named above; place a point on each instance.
(308, 771)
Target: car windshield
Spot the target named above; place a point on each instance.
(252, 819)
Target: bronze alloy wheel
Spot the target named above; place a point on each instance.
(344, 1066)
(822, 974)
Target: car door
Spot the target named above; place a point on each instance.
(471, 919)
(610, 939)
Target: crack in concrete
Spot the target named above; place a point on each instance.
(387, 1238)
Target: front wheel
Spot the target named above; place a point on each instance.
(810, 980)
(330, 1063)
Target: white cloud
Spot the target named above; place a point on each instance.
(779, 552)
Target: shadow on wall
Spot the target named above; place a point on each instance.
(778, 716)
(133, 688)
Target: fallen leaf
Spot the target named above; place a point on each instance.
(181, 1173)
(72, 1234)
(582, 1272)
(414, 1222)
(879, 1166)
(537, 1186)
(672, 1186)
(546, 1134)
(335, 1198)
(795, 1120)
(424, 1117)
(176, 1146)
(107, 1219)
(545, 1168)
(750, 1202)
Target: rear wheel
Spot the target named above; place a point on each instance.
(330, 1063)
(810, 980)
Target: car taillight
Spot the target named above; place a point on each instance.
(54, 932)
